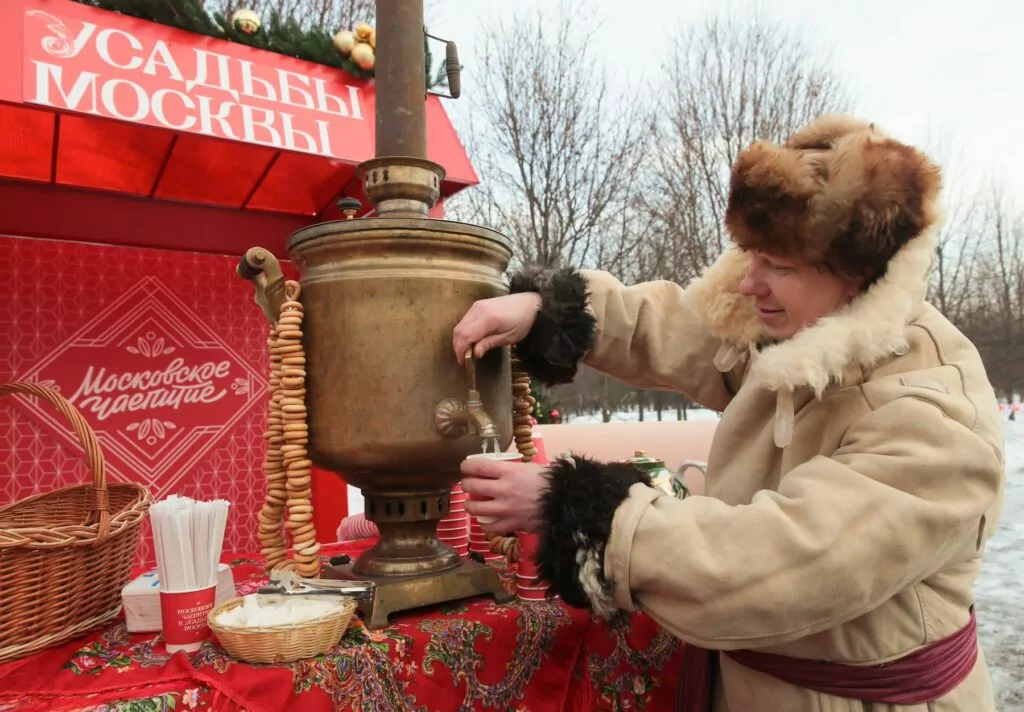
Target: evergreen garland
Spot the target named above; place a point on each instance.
(281, 35)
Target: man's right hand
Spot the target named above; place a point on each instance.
(500, 321)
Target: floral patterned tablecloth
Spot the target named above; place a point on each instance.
(473, 655)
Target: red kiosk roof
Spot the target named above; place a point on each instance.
(119, 130)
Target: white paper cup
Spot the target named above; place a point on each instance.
(503, 456)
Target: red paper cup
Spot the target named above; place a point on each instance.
(532, 586)
(184, 618)
(531, 595)
(528, 547)
(453, 540)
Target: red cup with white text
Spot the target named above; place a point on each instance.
(183, 615)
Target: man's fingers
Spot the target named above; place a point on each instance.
(488, 343)
(486, 508)
(480, 487)
(501, 525)
(464, 335)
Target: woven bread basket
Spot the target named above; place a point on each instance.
(282, 643)
(65, 555)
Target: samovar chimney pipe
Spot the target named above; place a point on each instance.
(400, 83)
(399, 181)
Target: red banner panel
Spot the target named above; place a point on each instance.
(165, 355)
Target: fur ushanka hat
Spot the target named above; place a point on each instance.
(838, 194)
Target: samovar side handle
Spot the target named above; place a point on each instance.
(259, 266)
(677, 476)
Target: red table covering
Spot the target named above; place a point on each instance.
(471, 655)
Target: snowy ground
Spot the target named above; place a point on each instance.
(1000, 589)
(632, 416)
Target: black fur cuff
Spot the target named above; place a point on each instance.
(576, 512)
(564, 330)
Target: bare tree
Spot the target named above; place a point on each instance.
(727, 83)
(574, 176)
(958, 249)
(558, 153)
(995, 296)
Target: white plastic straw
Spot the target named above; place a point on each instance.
(188, 537)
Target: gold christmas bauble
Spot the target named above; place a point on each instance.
(363, 31)
(246, 21)
(362, 55)
(344, 41)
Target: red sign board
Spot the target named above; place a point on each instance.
(98, 63)
(124, 69)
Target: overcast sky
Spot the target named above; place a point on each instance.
(918, 68)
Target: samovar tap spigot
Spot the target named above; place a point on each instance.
(478, 420)
(455, 419)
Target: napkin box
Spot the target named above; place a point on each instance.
(141, 599)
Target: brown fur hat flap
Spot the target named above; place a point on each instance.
(838, 193)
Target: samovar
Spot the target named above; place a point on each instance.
(388, 406)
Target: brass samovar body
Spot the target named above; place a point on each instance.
(388, 406)
(382, 297)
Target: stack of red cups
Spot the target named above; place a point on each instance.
(529, 585)
(478, 541)
(453, 530)
(355, 527)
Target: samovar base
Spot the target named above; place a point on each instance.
(402, 593)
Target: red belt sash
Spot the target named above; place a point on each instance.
(918, 678)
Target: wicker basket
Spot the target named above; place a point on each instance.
(282, 643)
(65, 555)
